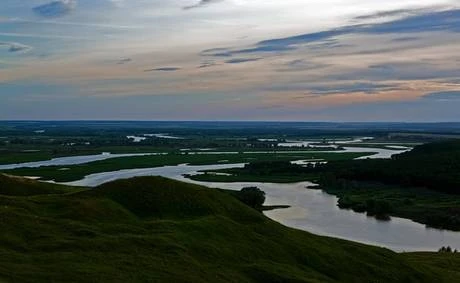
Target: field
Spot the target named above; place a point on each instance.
(34, 140)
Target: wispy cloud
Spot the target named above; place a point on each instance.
(45, 36)
(163, 69)
(448, 21)
(201, 3)
(443, 96)
(314, 90)
(15, 47)
(59, 22)
(241, 60)
(56, 8)
(124, 61)
(393, 13)
(302, 65)
(207, 64)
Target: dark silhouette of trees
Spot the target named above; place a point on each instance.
(252, 196)
(435, 166)
(447, 249)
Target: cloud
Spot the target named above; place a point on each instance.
(56, 8)
(405, 39)
(200, 4)
(301, 65)
(385, 14)
(15, 47)
(207, 64)
(241, 60)
(320, 90)
(124, 61)
(443, 96)
(217, 52)
(365, 87)
(427, 22)
(434, 21)
(396, 71)
(117, 3)
(163, 69)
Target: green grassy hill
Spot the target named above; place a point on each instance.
(17, 186)
(152, 229)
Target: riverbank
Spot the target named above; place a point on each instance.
(68, 173)
(435, 209)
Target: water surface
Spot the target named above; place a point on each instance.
(72, 160)
(311, 210)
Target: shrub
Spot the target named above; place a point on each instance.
(252, 196)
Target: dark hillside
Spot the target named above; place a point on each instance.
(18, 186)
(156, 230)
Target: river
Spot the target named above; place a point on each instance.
(311, 210)
(81, 159)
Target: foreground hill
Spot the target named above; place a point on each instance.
(157, 230)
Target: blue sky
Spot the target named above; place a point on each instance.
(328, 60)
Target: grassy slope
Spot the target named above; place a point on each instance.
(155, 229)
(77, 172)
(18, 186)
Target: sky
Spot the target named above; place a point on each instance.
(258, 60)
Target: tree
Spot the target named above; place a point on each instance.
(252, 196)
(447, 249)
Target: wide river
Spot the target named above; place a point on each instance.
(81, 159)
(311, 210)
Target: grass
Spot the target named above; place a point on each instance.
(17, 186)
(77, 172)
(158, 230)
(240, 175)
(21, 157)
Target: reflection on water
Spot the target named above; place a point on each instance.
(73, 160)
(311, 210)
